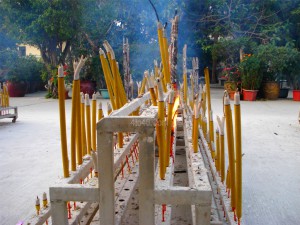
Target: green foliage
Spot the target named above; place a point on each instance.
(45, 24)
(277, 60)
(251, 74)
(25, 69)
(7, 57)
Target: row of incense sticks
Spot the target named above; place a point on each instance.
(203, 117)
(83, 120)
(4, 96)
(116, 90)
(157, 83)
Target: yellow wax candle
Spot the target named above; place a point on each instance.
(83, 128)
(88, 123)
(93, 122)
(231, 153)
(62, 120)
(238, 147)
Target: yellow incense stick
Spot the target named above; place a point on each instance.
(163, 154)
(222, 148)
(73, 125)
(88, 123)
(83, 128)
(169, 125)
(78, 125)
(238, 147)
(166, 52)
(93, 122)
(100, 111)
(218, 155)
(231, 153)
(195, 128)
(62, 120)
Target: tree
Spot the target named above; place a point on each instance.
(223, 21)
(49, 25)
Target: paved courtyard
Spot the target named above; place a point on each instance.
(30, 158)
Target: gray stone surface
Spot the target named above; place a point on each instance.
(30, 157)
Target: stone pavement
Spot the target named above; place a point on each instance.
(30, 157)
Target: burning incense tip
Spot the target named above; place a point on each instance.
(171, 97)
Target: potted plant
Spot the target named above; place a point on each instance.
(295, 81)
(21, 74)
(296, 88)
(277, 62)
(293, 73)
(251, 76)
(90, 75)
(233, 80)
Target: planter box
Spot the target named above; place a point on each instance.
(249, 95)
(16, 89)
(296, 95)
